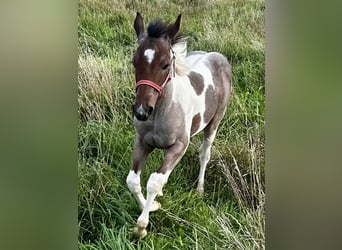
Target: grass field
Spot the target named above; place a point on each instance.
(231, 212)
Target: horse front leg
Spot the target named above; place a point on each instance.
(140, 154)
(156, 182)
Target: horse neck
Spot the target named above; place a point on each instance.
(166, 98)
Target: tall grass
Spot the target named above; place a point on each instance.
(231, 213)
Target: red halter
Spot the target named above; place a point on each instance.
(156, 86)
(153, 85)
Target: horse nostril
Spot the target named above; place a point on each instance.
(141, 113)
(141, 116)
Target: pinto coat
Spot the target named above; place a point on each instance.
(178, 95)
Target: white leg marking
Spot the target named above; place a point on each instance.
(133, 183)
(154, 186)
(204, 158)
(149, 54)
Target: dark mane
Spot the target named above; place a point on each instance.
(157, 28)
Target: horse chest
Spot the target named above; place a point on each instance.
(158, 136)
(164, 129)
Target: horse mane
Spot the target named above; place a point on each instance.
(180, 50)
(157, 29)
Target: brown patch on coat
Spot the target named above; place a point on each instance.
(211, 102)
(195, 124)
(221, 71)
(222, 78)
(197, 82)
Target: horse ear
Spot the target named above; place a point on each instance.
(173, 29)
(139, 26)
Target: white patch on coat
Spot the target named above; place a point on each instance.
(149, 54)
(191, 103)
(157, 181)
(133, 182)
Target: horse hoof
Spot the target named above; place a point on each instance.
(200, 190)
(155, 206)
(139, 233)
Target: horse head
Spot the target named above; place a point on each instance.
(153, 62)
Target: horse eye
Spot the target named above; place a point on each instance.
(166, 66)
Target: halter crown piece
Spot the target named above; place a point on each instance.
(168, 78)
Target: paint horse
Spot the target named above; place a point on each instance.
(177, 96)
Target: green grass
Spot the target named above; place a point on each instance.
(231, 213)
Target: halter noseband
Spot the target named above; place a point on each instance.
(156, 86)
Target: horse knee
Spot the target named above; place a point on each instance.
(133, 182)
(156, 182)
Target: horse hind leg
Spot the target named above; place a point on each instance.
(205, 148)
(204, 156)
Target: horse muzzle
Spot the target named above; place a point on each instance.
(141, 113)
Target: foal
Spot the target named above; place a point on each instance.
(177, 96)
